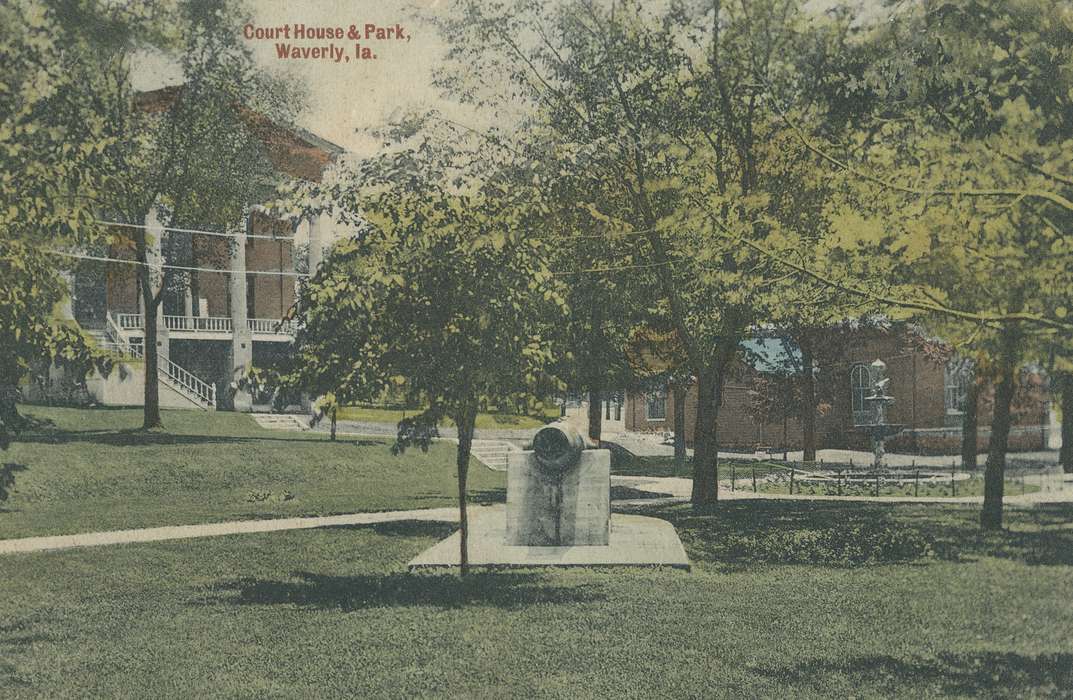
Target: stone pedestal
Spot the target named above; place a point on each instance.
(559, 508)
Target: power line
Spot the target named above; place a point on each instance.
(198, 231)
(165, 266)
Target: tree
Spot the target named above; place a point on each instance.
(187, 156)
(664, 111)
(443, 296)
(965, 153)
(55, 148)
(1065, 387)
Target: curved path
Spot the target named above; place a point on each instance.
(237, 527)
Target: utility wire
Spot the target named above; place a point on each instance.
(194, 230)
(165, 266)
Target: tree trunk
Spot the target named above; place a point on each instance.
(334, 412)
(679, 428)
(465, 423)
(705, 436)
(995, 472)
(151, 409)
(1065, 455)
(970, 427)
(596, 416)
(808, 404)
(10, 420)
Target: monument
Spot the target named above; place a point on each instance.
(559, 493)
(558, 513)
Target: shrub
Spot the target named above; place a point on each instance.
(846, 546)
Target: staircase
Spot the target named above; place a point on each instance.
(186, 383)
(281, 421)
(182, 381)
(492, 453)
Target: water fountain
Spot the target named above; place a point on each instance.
(879, 429)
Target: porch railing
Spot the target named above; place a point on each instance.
(204, 324)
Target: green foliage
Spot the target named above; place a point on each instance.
(437, 296)
(53, 153)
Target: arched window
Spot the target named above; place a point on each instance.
(956, 378)
(859, 383)
(656, 406)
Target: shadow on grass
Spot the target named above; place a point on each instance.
(627, 493)
(307, 589)
(1001, 674)
(484, 497)
(403, 528)
(824, 532)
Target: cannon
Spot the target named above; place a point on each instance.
(558, 494)
(556, 449)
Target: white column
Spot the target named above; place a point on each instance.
(300, 239)
(318, 240)
(154, 256)
(66, 309)
(241, 338)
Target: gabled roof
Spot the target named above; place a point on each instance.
(293, 151)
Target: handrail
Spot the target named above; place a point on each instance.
(202, 390)
(119, 339)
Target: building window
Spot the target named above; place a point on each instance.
(859, 383)
(956, 377)
(656, 406)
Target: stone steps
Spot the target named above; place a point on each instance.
(280, 421)
(492, 453)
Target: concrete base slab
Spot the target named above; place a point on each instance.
(635, 541)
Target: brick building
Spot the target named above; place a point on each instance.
(223, 313)
(929, 401)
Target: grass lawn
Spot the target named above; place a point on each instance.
(95, 470)
(928, 607)
(485, 421)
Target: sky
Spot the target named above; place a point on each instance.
(347, 98)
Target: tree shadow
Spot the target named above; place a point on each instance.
(749, 532)
(135, 437)
(433, 529)
(306, 589)
(627, 493)
(1001, 674)
(481, 497)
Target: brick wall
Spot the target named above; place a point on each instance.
(272, 295)
(917, 387)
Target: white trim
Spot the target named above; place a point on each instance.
(856, 413)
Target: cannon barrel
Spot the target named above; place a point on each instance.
(556, 448)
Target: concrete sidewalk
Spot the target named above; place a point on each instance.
(239, 527)
(1058, 488)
